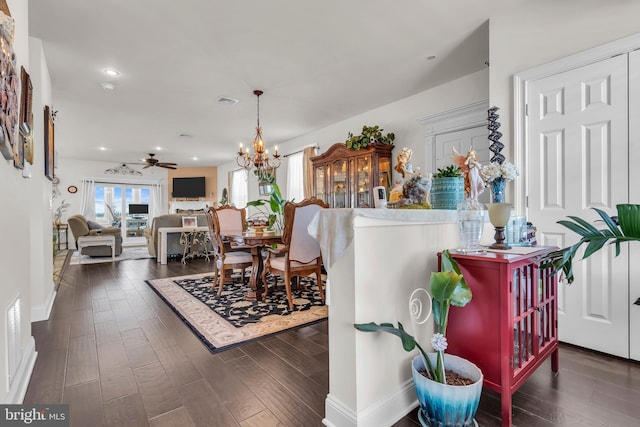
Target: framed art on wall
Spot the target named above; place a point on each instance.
(49, 149)
(26, 116)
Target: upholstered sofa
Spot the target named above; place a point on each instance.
(173, 239)
(81, 227)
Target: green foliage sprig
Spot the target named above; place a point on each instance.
(450, 171)
(369, 136)
(626, 229)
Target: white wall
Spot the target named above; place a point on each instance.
(19, 212)
(72, 172)
(400, 117)
(523, 35)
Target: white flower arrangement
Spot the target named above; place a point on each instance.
(493, 171)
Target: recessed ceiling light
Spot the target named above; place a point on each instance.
(103, 148)
(195, 158)
(107, 86)
(227, 101)
(111, 72)
(159, 148)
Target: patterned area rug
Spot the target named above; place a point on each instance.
(226, 321)
(136, 252)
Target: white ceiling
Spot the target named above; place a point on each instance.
(317, 63)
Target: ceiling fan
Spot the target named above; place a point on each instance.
(152, 161)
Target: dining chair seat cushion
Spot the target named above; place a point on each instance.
(278, 263)
(237, 258)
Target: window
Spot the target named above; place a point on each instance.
(295, 177)
(239, 190)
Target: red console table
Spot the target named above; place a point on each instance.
(511, 325)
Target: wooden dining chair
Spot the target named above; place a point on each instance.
(300, 253)
(225, 260)
(233, 221)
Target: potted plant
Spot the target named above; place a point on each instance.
(447, 188)
(441, 402)
(273, 218)
(369, 135)
(625, 227)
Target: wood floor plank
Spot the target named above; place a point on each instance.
(107, 332)
(178, 417)
(178, 366)
(82, 365)
(116, 377)
(206, 406)
(156, 389)
(82, 323)
(277, 399)
(141, 355)
(47, 379)
(127, 411)
(297, 382)
(262, 419)
(133, 337)
(85, 404)
(238, 398)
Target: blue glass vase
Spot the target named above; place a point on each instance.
(497, 190)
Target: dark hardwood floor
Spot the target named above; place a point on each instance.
(120, 357)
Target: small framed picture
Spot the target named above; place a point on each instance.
(189, 221)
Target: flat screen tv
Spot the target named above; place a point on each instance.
(188, 187)
(137, 209)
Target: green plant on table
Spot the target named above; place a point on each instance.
(369, 135)
(450, 171)
(274, 212)
(447, 288)
(625, 227)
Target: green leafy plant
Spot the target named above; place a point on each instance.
(369, 135)
(450, 171)
(274, 212)
(447, 288)
(625, 227)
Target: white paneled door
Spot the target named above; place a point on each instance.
(577, 159)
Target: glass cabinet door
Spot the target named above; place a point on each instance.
(362, 183)
(339, 184)
(384, 173)
(319, 184)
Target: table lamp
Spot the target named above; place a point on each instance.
(499, 216)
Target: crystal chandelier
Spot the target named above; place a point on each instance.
(263, 166)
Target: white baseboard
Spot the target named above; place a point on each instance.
(23, 375)
(385, 412)
(42, 312)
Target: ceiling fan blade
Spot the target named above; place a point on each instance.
(146, 166)
(166, 166)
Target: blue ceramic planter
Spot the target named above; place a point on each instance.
(446, 193)
(448, 405)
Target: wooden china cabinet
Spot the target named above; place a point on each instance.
(345, 178)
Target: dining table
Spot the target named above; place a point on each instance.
(257, 241)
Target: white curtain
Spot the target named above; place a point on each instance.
(88, 200)
(295, 176)
(239, 188)
(155, 201)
